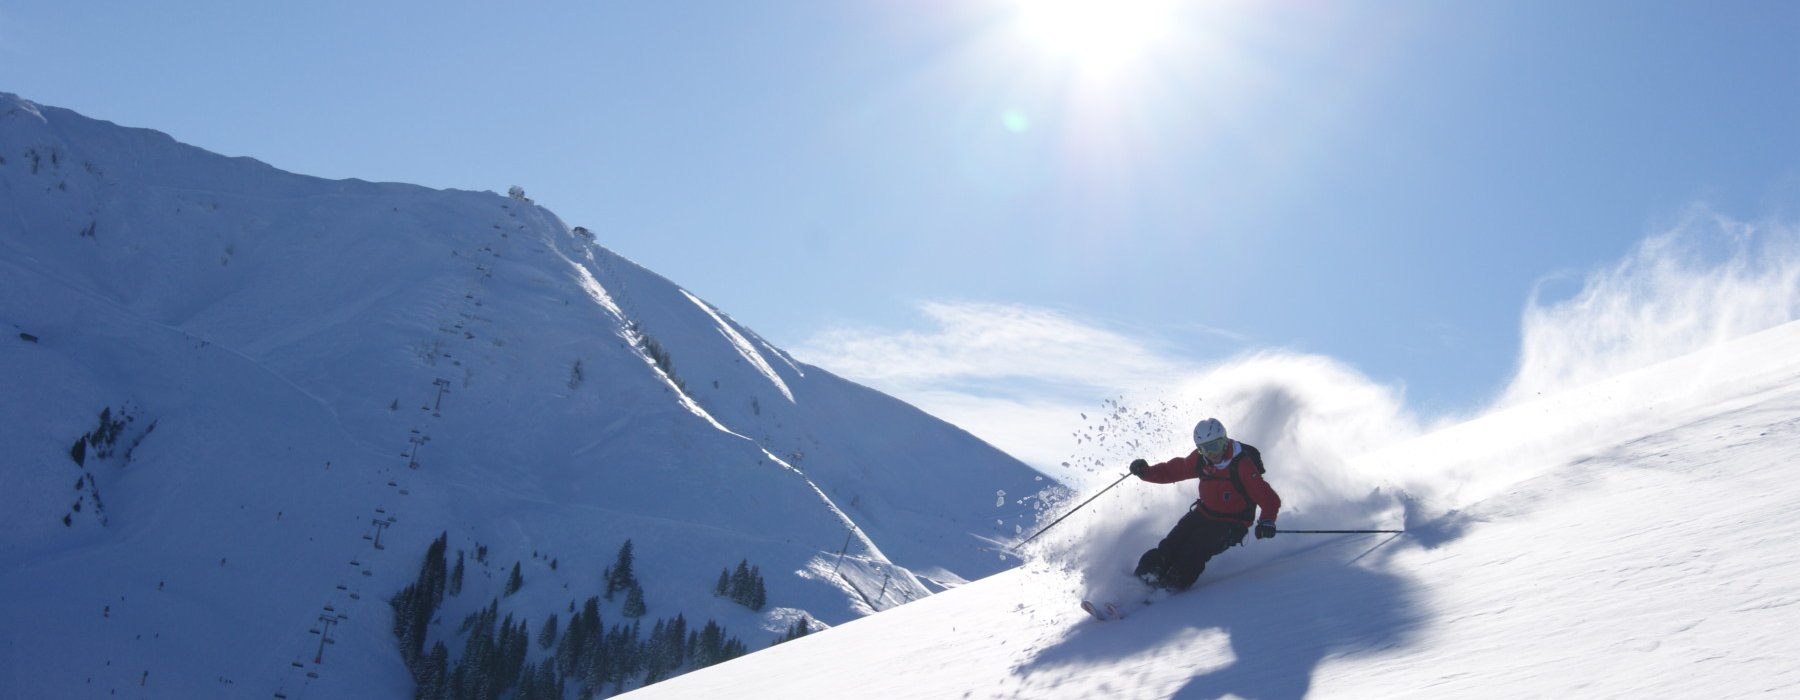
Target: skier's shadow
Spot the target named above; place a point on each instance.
(1282, 622)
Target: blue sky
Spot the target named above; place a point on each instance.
(891, 187)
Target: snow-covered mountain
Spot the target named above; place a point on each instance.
(238, 404)
(1629, 539)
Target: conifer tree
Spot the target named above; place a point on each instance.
(733, 648)
(678, 633)
(724, 585)
(740, 582)
(547, 636)
(656, 657)
(745, 586)
(800, 628)
(474, 676)
(406, 613)
(621, 657)
(569, 647)
(432, 573)
(710, 646)
(434, 683)
(634, 601)
(620, 577)
(515, 581)
(591, 608)
(573, 653)
(456, 575)
(417, 604)
(459, 681)
(758, 595)
(528, 686)
(517, 650)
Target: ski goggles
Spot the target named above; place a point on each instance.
(1215, 445)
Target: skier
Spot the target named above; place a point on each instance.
(1231, 489)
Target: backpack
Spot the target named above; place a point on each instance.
(1249, 452)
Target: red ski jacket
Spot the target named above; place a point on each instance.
(1229, 492)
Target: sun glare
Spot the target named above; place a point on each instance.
(1096, 35)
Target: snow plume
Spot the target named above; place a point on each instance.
(1343, 450)
(1346, 452)
(1309, 415)
(1707, 280)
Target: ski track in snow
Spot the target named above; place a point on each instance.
(743, 346)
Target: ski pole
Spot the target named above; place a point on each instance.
(1071, 512)
(1339, 532)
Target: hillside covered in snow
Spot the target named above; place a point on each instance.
(241, 405)
(1628, 539)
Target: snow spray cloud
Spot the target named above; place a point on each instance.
(1707, 280)
(1340, 447)
(1326, 430)
(1306, 413)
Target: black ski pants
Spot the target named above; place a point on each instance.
(1178, 560)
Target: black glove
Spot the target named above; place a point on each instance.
(1265, 529)
(1138, 467)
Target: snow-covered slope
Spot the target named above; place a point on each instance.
(1641, 546)
(296, 369)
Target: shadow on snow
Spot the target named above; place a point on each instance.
(1282, 619)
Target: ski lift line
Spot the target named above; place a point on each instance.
(859, 593)
(848, 534)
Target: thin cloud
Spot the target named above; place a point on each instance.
(972, 342)
(1020, 377)
(1225, 334)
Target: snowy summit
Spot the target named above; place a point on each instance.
(241, 406)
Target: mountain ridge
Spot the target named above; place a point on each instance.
(319, 355)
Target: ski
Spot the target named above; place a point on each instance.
(1102, 612)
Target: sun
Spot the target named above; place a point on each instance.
(1096, 35)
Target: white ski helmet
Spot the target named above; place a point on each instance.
(1208, 430)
